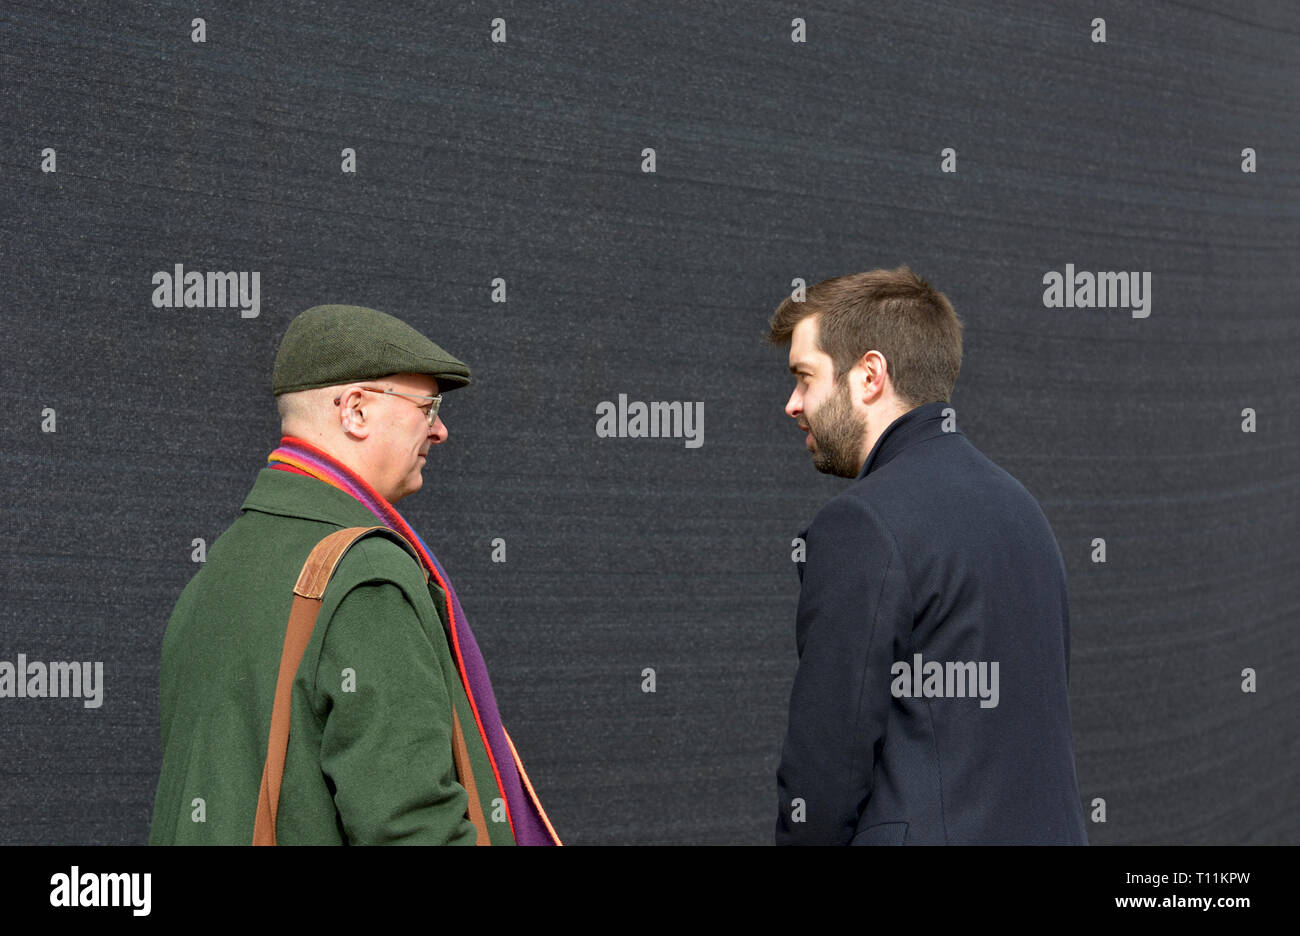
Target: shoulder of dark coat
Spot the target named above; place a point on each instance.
(849, 513)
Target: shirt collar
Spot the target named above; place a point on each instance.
(916, 425)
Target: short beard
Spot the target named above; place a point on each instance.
(838, 435)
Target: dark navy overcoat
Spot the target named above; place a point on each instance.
(933, 555)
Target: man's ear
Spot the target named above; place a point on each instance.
(874, 370)
(350, 400)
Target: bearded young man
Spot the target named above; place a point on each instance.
(930, 703)
(393, 734)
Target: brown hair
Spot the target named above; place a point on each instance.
(894, 312)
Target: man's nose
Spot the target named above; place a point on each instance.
(438, 431)
(794, 406)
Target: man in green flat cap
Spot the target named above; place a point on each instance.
(393, 730)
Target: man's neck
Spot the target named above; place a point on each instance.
(318, 440)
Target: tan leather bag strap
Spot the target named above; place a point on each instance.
(465, 773)
(308, 596)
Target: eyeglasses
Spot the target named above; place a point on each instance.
(431, 412)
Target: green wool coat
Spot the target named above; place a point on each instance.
(370, 738)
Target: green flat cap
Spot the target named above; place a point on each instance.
(338, 344)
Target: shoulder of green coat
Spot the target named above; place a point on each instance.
(378, 558)
(373, 560)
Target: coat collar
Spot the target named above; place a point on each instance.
(916, 425)
(287, 494)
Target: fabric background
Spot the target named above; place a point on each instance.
(775, 160)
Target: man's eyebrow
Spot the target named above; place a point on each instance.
(794, 368)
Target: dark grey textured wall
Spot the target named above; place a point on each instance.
(775, 160)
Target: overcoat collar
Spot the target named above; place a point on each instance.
(916, 425)
(294, 495)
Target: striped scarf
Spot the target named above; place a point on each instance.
(528, 821)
